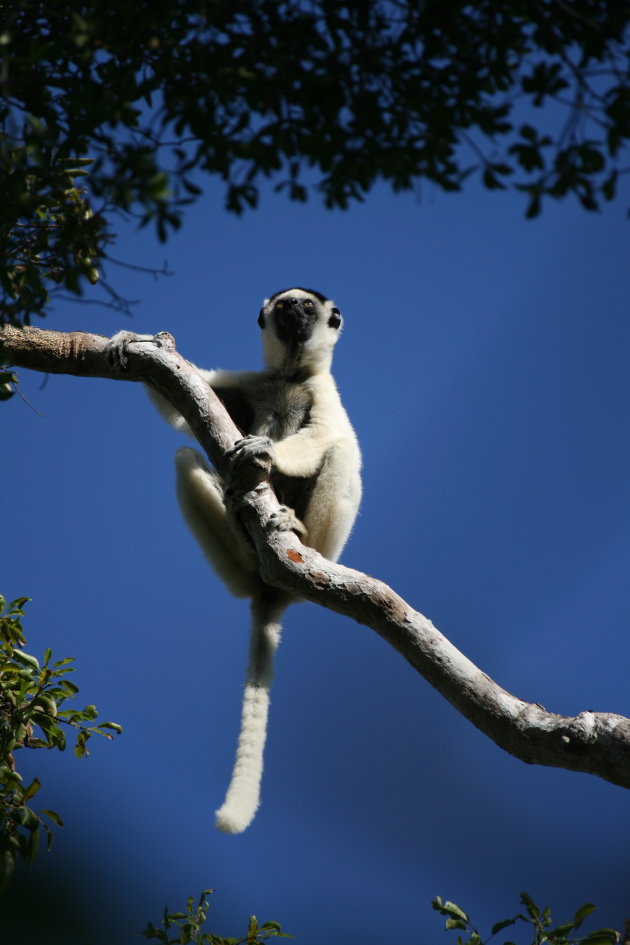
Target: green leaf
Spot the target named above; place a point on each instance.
(79, 749)
(54, 816)
(34, 841)
(530, 905)
(26, 658)
(59, 663)
(560, 931)
(49, 837)
(17, 606)
(582, 913)
(32, 789)
(455, 911)
(159, 934)
(455, 924)
(499, 926)
(601, 937)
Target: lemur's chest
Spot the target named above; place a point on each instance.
(280, 409)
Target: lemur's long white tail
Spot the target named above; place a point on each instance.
(243, 795)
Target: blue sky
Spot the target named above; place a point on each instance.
(484, 365)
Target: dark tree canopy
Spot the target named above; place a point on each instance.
(119, 106)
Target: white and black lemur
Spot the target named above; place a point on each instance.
(292, 412)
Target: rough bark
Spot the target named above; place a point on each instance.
(593, 742)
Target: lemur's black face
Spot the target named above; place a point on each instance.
(295, 316)
(300, 328)
(294, 319)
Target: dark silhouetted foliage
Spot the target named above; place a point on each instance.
(321, 96)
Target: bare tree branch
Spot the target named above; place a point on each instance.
(593, 742)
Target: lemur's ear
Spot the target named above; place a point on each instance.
(335, 318)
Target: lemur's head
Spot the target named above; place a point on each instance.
(300, 329)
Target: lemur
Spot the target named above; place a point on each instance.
(292, 412)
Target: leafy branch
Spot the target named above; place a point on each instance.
(323, 98)
(542, 930)
(189, 925)
(50, 239)
(31, 696)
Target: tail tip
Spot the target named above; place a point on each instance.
(229, 820)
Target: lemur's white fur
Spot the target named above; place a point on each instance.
(293, 411)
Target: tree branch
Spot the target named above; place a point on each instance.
(593, 742)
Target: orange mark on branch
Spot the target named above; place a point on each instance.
(294, 556)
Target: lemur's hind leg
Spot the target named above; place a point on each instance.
(200, 494)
